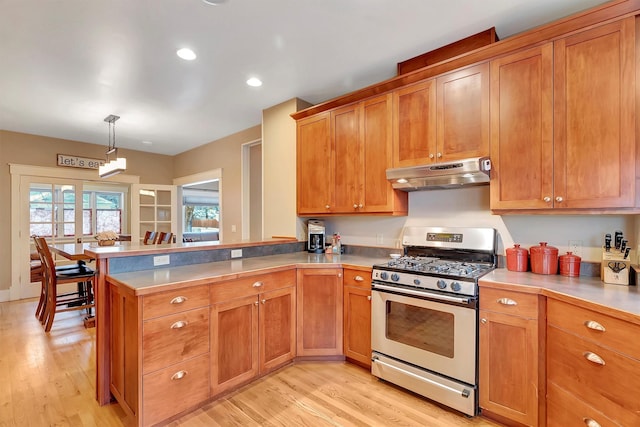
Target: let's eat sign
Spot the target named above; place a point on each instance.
(79, 162)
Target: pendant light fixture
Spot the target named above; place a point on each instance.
(117, 164)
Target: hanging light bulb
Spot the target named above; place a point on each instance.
(117, 164)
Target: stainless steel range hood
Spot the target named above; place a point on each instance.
(472, 171)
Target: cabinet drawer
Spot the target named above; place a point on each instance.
(240, 288)
(174, 301)
(565, 409)
(607, 331)
(611, 386)
(509, 302)
(172, 339)
(175, 389)
(357, 278)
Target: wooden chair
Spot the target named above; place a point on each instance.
(54, 302)
(164, 238)
(150, 238)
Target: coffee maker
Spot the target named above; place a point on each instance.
(316, 236)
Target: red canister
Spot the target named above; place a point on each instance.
(570, 265)
(544, 259)
(517, 258)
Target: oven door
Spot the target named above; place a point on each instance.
(434, 332)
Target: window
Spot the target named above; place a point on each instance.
(101, 211)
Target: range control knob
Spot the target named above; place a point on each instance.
(455, 286)
(416, 282)
(441, 284)
(395, 277)
(384, 275)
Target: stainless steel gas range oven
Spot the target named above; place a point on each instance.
(424, 313)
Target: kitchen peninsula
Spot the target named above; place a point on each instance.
(130, 301)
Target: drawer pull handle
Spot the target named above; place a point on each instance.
(359, 279)
(179, 375)
(592, 357)
(178, 300)
(507, 301)
(257, 284)
(592, 324)
(179, 324)
(590, 422)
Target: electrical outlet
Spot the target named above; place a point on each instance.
(236, 253)
(379, 239)
(575, 247)
(160, 260)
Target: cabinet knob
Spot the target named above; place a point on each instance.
(256, 303)
(179, 324)
(431, 156)
(339, 274)
(547, 199)
(506, 301)
(483, 321)
(592, 324)
(592, 357)
(178, 300)
(439, 155)
(360, 206)
(559, 199)
(327, 206)
(590, 422)
(355, 206)
(368, 297)
(179, 375)
(263, 301)
(257, 284)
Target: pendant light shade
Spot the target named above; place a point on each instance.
(113, 164)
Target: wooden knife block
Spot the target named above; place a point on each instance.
(612, 261)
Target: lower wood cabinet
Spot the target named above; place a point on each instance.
(357, 315)
(159, 347)
(252, 328)
(511, 376)
(319, 312)
(593, 364)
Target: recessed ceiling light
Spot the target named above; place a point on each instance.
(186, 54)
(147, 142)
(214, 2)
(254, 81)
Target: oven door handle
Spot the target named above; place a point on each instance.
(434, 296)
(463, 392)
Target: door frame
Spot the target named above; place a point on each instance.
(19, 245)
(246, 189)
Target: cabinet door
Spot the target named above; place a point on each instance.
(509, 366)
(357, 324)
(414, 124)
(315, 165)
(463, 114)
(277, 328)
(319, 312)
(234, 343)
(522, 129)
(349, 162)
(594, 128)
(377, 143)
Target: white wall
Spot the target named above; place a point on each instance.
(469, 207)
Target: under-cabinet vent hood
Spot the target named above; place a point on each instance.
(473, 171)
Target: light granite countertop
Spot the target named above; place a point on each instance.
(589, 292)
(150, 281)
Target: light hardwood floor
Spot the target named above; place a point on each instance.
(49, 380)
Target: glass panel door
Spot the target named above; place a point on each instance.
(54, 213)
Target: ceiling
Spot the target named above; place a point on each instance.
(67, 64)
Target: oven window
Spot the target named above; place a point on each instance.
(420, 327)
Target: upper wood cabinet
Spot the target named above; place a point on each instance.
(442, 119)
(353, 146)
(562, 123)
(315, 164)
